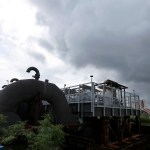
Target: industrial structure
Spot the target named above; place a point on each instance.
(93, 114)
(102, 99)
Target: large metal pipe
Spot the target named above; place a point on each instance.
(25, 90)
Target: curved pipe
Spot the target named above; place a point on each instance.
(25, 90)
(4, 86)
(37, 75)
(13, 79)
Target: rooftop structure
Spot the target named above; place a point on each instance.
(102, 99)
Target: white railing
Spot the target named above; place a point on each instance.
(77, 94)
(99, 100)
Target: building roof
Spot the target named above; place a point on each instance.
(114, 84)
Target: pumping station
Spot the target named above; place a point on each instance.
(94, 115)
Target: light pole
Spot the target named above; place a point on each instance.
(134, 94)
(91, 78)
(92, 95)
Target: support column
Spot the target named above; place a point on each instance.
(118, 128)
(104, 99)
(105, 131)
(92, 99)
(37, 106)
(127, 127)
(138, 124)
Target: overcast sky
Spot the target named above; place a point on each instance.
(68, 40)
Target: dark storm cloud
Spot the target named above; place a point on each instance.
(37, 56)
(124, 53)
(106, 34)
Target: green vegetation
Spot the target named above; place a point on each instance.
(46, 136)
(16, 134)
(2, 130)
(2, 119)
(145, 120)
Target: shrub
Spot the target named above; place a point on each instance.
(46, 137)
(16, 134)
(145, 120)
(2, 129)
(2, 119)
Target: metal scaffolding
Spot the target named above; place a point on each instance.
(102, 99)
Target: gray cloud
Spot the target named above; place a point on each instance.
(41, 19)
(42, 42)
(45, 44)
(111, 35)
(37, 56)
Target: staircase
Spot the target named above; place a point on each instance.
(147, 110)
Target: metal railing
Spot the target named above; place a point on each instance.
(89, 93)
